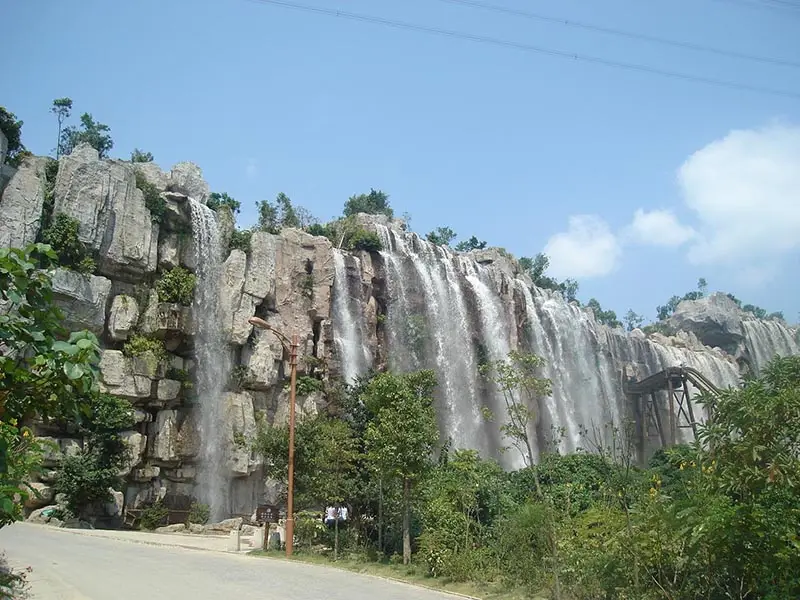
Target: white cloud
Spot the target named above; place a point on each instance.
(658, 228)
(587, 249)
(745, 191)
(251, 170)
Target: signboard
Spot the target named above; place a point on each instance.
(267, 513)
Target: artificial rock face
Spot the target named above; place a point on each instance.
(410, 306)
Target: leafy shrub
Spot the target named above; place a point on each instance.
(50, 175)
(361, 239)
(374, 203)
(240, 240)
(308, 528)
(217, 200)
(139, 345)
(154, 516)
(198, 513)
(152, 198)
(308, 385)
(141, 156)
(176, 286)
(86, 477)
(62, 235)
(181, 375)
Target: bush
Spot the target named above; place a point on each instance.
(154, 516)
(361, 239)
(152, 198)
(199, 513)
(141, 156)
(307, 385)
(62, 235)
(176, 286)
(240, 240)
(139, 345)
(217, 200)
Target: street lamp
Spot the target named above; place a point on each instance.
(291, 348)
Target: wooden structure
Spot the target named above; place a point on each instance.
(680, 413)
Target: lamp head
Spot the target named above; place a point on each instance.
(260, 323)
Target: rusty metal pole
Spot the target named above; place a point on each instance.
(671, 411)
(290, 494)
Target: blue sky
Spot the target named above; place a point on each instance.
(527, 151)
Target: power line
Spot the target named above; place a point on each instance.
(528, 48)
(622, 33)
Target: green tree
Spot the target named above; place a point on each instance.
(288, 215)
(374, 203)
(441, 236)
(606, 317)
(268, 217)
(140, 156)
(633, 320)
(400, 439)
(472, 243)
(219, 199)
(44, 371)
(92, 132)
(517, 378)
(569, 289)
(62, 108)
(12, 129)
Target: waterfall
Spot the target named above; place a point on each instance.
(766, 339)
(212, 362)
(348, 318)
(447, 312)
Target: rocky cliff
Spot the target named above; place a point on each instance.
(412, 305)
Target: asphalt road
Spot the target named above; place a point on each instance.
(74, 566)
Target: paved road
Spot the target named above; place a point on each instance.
(74, 566)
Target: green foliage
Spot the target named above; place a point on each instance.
(139, 345)
(61, 108)
(140, 156)
(517, 378)
(50, 174)
(658, 327)
(536, 269)
(632, 320)
(62, 236)
(12, 129)
(152, 198)
(442, 236)
(92, 132)
(307, 385)
(472, 243)
(361, 239)
(176, 286)
(199, 513)
(606, 317)
(241, 377)
(325, 230)
(374, 203)
(43, 370)
(217, 199)
(154, 516)
(13, 584)
(85, 478)
(240, 240)
(273, 216)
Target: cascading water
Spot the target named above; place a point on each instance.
(348, 318)
(213, 363)
(445, 312)
(765, 339)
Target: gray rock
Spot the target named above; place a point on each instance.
(163, 318)
(260, 277)
(188, 442)
(223, 527)
(21, 204)
(169, 251)
(42, 515)
(146, 473)
(114, 220)
(153, 174)
(83, 299)
(715, 320)
(176, 528)
(41, 495)
(196, 528)
(233, 301)
(168, 389)
(136, 445)
(162, 437)
(57, 449)
(117, 377)
(187, 178)
(263, 360)
(115, 506)
(182, 474)
(123, 317)
(241, 429)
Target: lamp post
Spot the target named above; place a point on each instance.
(291, 348)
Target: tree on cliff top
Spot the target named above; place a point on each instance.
(374, 203)
(92, 132)
(62, 108)
(12, 129)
